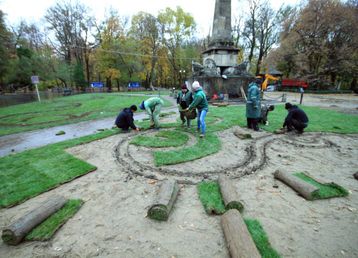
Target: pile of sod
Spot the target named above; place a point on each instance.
(210, 197)
(32, 172)
(48, 227)
(325, 190)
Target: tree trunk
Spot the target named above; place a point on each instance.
(229, 194)
(14, 233)
(300, 186)
(238, 238)
(165, 200)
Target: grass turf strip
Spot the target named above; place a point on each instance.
(48, 227)
(161, 139)
(210, 144)
(32, 172)
(260, 238)
(210, 197)
(328, 190)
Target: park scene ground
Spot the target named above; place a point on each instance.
(117, 176)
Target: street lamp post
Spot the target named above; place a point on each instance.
(181, 72)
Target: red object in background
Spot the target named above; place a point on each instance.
(215, 96)
(294, 83)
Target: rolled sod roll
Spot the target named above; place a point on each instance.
(14, 233)
(229, 194)
(238, 238)
(165, 200)
(300, 186)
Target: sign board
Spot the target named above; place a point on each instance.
(133, 85)
(35, 79)
(97, 84)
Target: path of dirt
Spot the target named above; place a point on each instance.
(113, 223)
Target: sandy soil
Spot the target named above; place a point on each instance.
(113, 222)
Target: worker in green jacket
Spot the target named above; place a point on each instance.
(253, 105)
(152, 106)
(201, 104)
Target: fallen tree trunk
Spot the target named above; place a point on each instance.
(165, 200)
(14, 233)
(229, 194)
(300, 186)
(238, 238)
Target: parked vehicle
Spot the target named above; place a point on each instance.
(293, 83)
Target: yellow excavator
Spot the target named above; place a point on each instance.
(267, 78)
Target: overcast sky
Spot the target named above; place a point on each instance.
(202, 10)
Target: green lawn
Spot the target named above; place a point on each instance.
(64, 110)
(32, 172)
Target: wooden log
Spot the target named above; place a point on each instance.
(229, 194)
(303, 188)
(238, 238)
(14, 233)
(165, 200)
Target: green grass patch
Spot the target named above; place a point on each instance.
(204, 146)
(328, 190)
(32, 172)
(210, 197)
(47, 228)
(161, 139)
(64, 110)
(260, 238)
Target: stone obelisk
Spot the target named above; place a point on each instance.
(221, 34)
(221, 48)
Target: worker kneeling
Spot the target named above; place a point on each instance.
(296, 119)
(125, 119)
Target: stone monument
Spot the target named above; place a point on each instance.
(220, 73)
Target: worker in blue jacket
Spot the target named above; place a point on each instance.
(125, 119)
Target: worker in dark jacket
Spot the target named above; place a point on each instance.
(125, 119)
(184, 99)
(295, 119)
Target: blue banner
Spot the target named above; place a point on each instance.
(133, 85)
(97, 84)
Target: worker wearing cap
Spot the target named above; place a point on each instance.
(153, 106)
(184, 99)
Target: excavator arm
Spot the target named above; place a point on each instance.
(267, 78)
